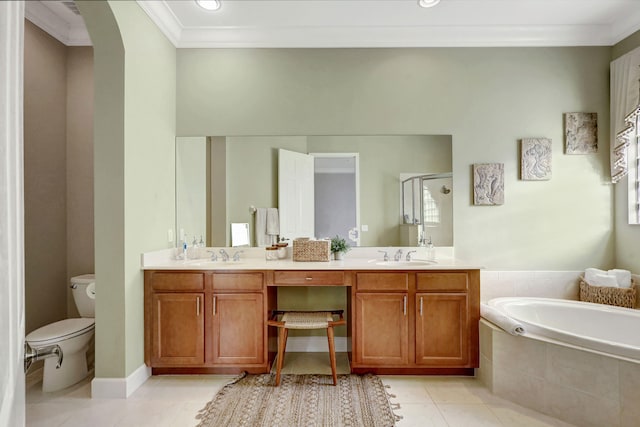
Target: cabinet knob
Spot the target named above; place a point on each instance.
(308, 278)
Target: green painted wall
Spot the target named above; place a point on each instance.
(486, 98)
(134, 171)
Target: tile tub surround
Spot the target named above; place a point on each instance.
(581, 387)
(541, 284)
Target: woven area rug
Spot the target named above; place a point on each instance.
(300, 400)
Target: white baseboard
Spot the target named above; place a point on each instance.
(315, 344)
(119, 388)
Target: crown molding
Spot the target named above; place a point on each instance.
(164, 18)
(625, 27)
(58, 28)
(389, 37)
(347, 36)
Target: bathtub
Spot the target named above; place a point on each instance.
(603, 328)
(578, 362)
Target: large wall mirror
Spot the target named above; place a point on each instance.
(221, 180)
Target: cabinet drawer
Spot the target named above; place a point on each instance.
(308, 278)
(446, 281)
(382, 281)
(238, 281)
(168, 281)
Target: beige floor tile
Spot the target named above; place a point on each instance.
(466, 415)
(407, 389)
(458, 390)
(175, 401)
(513, 415)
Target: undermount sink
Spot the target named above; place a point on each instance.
(413, 263)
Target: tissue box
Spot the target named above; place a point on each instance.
(311, 250)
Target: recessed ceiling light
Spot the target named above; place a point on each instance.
(428, 3)
(209, 4)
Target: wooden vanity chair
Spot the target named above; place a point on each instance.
(305, 320)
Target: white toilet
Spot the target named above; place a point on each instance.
(72, 335)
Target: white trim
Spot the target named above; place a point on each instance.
(315, 344)
(165, 20)
(389, 36)
(119, 388)
(55, 26)
(12, 319)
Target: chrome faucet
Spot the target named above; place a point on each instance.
(386, 255)
(224, 255)
(408, 258)
(214, 257)
(398, 255)
(236, 256)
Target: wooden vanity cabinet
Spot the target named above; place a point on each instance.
(205, 322)
(381, 335)
(416, 322)
(237, 319)
(178, 329)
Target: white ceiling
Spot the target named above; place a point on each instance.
(370, 23)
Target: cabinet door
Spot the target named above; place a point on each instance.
(178, 329)
(382, 333)
(238, 328)
(442, 331)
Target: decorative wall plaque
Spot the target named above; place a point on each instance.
(535, 159)
(488, 183)
(581, 133)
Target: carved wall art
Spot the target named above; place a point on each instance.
(488, 183)
(535, 159)
(581, 133)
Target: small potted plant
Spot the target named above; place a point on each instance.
(339, 247)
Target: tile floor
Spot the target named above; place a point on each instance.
(175, 400)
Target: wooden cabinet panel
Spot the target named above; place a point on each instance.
(238, 281)
(177, 281)
(442, 329)
(382, 329)
(178, 329)
(238, 328)
(442, 281)
(309, 278)
(380, 281)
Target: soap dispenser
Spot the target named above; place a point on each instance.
(431, 250)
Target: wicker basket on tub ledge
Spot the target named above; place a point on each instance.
(621, 297)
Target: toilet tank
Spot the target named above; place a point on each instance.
(83, 289)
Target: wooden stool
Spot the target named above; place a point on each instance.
(305, 320)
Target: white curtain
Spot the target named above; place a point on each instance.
(625, 72)
(12, 384)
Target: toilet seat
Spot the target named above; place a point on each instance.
(60, 331)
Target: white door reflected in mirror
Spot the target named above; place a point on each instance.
(240, 234)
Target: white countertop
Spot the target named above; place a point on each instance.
(356, 259)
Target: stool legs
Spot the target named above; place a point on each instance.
(282, 345)
(332, 354)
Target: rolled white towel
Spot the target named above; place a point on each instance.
(623, 277)
(500, 319)
(591, 273)
(604, 280)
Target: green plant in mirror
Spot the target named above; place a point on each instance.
(338, 244)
